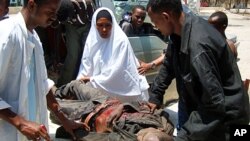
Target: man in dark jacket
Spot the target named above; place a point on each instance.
(207, 77)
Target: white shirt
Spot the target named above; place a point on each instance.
(111, 63)
(15, 58)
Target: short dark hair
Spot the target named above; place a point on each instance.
(158, 6)
(38, 2)
(7, 3)
(222, 19)
(138, 7)
(66, 10)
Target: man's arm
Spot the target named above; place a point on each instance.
(163, 79)
(233, 48)
(127, 28)
(158, 61)
(31, 130)
(160, 84)
(144, 67)
(54, 107)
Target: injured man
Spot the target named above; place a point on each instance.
(106, 118)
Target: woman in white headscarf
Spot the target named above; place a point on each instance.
(108, 60)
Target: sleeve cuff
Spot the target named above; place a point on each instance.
(155, 101)
(181, 136)
(49, 85)
(92, 82)
(3, 105)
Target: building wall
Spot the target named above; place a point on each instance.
(228, 3)
(16, 2)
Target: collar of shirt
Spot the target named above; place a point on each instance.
(20, 19)
(4, 17)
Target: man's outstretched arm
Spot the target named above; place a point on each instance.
(54, 107)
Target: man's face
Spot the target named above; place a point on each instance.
(3, 9)
(161, 22)
(45, 14)
(138, 17)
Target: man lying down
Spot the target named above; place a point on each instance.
(108, 119)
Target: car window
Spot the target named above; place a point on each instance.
(147, 48)
(123, 6)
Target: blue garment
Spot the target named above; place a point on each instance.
(31, 88)
(182, 113)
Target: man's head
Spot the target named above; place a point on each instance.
(4, 7)
(152, 134)
(138, 15)
(66, 11)
(40, 12)
(165, 14)
(219, 20)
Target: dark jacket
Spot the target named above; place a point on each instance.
(208, 80)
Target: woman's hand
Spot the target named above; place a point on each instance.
(84, 79)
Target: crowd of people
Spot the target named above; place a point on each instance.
(105, 82)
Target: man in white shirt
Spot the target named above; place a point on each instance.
(25, 90)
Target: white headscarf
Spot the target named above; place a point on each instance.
(111, 64)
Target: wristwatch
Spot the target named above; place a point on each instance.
(153, 65)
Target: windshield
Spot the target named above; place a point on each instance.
(123, 6)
